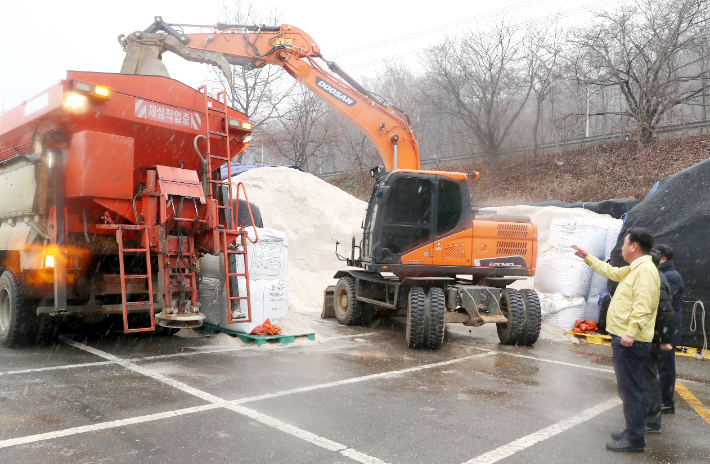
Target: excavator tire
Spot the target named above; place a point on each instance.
(513, 308)
(436, 326)
(347, 308)
(416, 313)
(533, 317)
(17, 318)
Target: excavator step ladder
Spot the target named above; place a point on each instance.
(125, 277)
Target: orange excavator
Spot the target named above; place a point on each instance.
(425, 250)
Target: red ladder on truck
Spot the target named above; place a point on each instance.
(236, 248)
(124, 277)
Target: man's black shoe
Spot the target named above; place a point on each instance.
(624, 446)
(667, 409)
(616, 436)
(650, 429)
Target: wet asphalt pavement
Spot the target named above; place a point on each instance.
(357, 395)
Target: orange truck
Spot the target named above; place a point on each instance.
(425, 251)
(109, 194)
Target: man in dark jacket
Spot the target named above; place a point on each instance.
(662, 338)
(667, 368)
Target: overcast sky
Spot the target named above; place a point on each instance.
(40, 40)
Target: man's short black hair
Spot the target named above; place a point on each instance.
(643, 237)
(655, 256)
(665, 251)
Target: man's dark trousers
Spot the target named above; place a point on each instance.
(666, 372)
(653, 386)
(628, 367)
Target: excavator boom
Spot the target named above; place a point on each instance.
(295, 51)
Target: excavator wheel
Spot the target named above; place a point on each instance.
(416, 312)
(436, 326)
(17, 319)
(513, 308)
(533, 317)
(347, 308)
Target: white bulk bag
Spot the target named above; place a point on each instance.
(586, 233)
(562, 273)
(562, 310)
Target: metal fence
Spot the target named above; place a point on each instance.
(665, 132)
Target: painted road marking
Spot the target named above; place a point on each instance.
(54, 368)
(364, 378)
(543, 434)
(307, 436)
(693, 401)
(166, 356)
(103, 426)
(602, 369)
(219, 402)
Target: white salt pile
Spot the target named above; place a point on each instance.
(314, 215)
(550, 331)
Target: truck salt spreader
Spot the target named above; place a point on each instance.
(109, 193)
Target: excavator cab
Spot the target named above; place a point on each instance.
(408, 211)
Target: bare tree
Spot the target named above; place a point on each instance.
(645, 49)
(302, 133)
(484, 79)
(545, 44)
(255, 91)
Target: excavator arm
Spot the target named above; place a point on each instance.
(295, 51)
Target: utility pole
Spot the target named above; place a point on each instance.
(586, 132)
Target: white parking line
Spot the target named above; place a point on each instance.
(307, 436)
(235, 405)
(166, 356)
(543, 434)
(103, 426)
(54, 368)
(364, 378)
(219, 402)
(601, 369)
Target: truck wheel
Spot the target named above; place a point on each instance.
(416, 310)
(347, 308)
(533, 317)
(48, 329)
(513, 308)
(17, 320)
(437, 311)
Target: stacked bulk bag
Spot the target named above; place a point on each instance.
(268, 285)
(562, 310)
(559, 271)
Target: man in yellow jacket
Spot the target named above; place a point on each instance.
(630, 322)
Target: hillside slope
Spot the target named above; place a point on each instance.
(592, 173)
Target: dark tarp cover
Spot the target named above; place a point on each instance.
(678, 214)
(616, 208)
